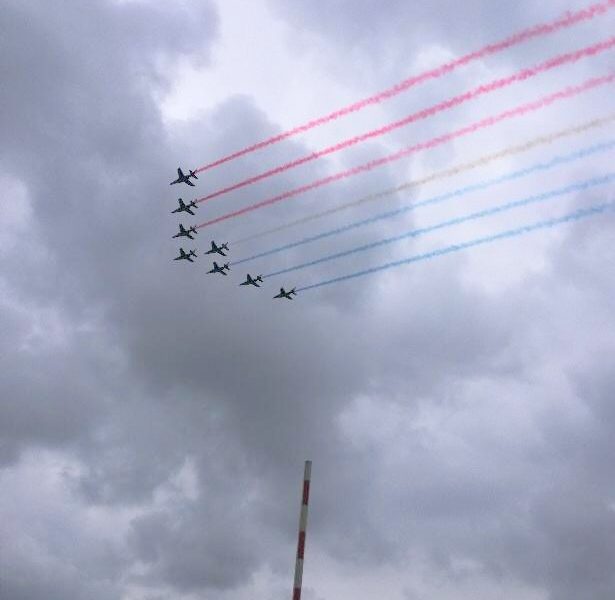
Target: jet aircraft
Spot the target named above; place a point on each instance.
(250, 281)
(219, 249)
(185, 255)
(221, 269)
(288, 295)
(186, 232)
(181, 178)
(185, 207)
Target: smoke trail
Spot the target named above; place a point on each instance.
(523, 109)
(568, 20)
(548, 223)
(482, 185)
(477, 92)
(455, 170)
(577, 187)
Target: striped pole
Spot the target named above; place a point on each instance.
(302, 526)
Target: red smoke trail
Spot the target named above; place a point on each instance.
(567, 92)
(481, 90)
(567, 20)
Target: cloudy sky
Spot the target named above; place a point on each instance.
(154, 419)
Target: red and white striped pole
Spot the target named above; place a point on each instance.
(302, 526)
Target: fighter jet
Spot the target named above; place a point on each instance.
(185, 256)
(185, 207)
(218, 249)
(221, 269)
(181, 178)
(186, 232)
(250, 281)
(288, 295)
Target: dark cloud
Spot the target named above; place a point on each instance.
(444, 421)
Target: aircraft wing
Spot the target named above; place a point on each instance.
(189, 182)
(179, 173)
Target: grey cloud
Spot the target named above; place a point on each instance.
(165, 366)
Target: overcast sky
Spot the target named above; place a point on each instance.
(154, 419)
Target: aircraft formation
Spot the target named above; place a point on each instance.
(341, 172)
(215, 248)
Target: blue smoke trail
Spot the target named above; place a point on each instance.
(573, 216)
(542, 166)
(575, 187)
